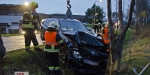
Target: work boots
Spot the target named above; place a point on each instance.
(38, 49)
(28, 50)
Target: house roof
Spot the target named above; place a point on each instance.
(57, 14)
(4, 24)
(10, 5)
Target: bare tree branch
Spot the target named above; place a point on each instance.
(130, 15)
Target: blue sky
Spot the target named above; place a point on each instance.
(60, 6)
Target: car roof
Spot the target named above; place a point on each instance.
(62, 19)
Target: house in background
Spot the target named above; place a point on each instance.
(10, 16)
(9, 24)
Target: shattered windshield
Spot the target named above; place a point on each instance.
(72, 26)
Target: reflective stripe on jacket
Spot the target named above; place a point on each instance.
(28, 23)
(95, 21)
(50, 39)
(105, 35)
(52, 49)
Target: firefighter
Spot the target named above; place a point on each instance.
(105, 35)
(96, 23)
(53, 44)
(29, 25)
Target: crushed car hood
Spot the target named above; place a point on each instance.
(83, 38)
(93, 56)
(87, 43)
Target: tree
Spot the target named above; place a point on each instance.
(114, 16)
(141, 8)
(120, 16)
(116, 44)
(91, 12)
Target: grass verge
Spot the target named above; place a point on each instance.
(33, 62)
(136, 54)
(129, 34)
(7, 35)
(88, 25)
(19, 60)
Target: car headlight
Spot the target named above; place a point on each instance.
(23, 32)
(35, 31)
(77, 55)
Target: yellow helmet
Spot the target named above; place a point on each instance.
(34, 4)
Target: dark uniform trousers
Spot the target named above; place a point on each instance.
(52, 57)
(30, 36)
(96, 28)
(1, 65)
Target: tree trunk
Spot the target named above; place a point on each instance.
(137, 26)
(116, 45)
(120, 18)
(110, 68)
(120, 22)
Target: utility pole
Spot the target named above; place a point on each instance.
(95, 4)
(95, 7)
(116, 11)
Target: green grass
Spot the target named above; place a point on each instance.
(129, 34)
(136, 54)
(7, 35)
(33, 62)
(20, 60)
(88, 25)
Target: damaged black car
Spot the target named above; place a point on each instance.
(85, 52)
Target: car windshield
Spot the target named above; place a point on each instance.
(72, 26)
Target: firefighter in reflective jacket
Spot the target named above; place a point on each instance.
(29, 25)
(105, 35)
(96, 23)
(53, 43)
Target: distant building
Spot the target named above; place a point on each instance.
(10, 15)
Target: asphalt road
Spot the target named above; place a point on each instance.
(17, 42)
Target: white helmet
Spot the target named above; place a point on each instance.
(53, 24)
(106, 24)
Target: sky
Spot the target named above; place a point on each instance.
(60, 6)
